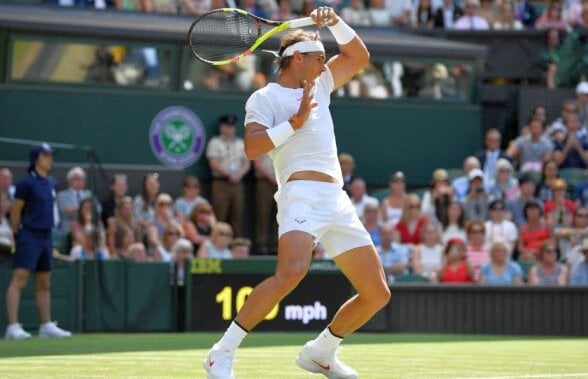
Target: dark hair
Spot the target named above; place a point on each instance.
(146, 200)
(290, 39)
(532, 204)
(460, 220)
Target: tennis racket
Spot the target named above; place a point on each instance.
(226, 35)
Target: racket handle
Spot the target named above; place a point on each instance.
(301, 22)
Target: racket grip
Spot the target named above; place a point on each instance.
(301, 22)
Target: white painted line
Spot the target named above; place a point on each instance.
(576, 375)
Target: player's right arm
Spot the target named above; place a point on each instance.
(15, 214)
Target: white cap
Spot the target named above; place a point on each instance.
(475, 173)
(582, 88)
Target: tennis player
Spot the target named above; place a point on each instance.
(291, 120)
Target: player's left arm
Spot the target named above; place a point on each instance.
(353, 54)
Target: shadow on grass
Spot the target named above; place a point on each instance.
(118, 343)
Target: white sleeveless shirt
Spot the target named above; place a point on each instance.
(310, 148)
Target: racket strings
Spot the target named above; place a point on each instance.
(219, 36)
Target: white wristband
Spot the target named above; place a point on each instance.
(280, 133)
(342, 32)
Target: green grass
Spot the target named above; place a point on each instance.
(271, 355)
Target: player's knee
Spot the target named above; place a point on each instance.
(379, 296)
(287, 280)
(19, 281)
(43, 285)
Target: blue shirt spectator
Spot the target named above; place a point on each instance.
(506, 278)
(581, 193)
(394, 256)
(580, 274)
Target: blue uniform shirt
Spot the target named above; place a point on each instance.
(38, 193)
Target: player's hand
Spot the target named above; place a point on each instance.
(324, 16)
(307, 101)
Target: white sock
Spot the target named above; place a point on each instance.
(232, 337)
(326, 341)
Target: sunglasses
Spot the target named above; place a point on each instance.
(164, 204)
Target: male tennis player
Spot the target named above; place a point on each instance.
(291, 120)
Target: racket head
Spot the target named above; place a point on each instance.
(225, 35)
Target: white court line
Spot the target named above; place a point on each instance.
(576, 375)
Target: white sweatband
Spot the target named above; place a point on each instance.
(303, 47)
(342, 32)
(280, 133)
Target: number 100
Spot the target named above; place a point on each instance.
(225, 297)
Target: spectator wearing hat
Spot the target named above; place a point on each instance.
(504, 186)
(456, 268)
(461, 184)
(559, 209)
(391, 207)
(572, 151)
(437, 199)
(395, 256)
(498, 227)
(266, 225)
(491, 153)
(532, 149)
(359, 196)
(347, 163)
(470, 20)
(516, 205)
(548, 271)
(532, 232)
(475, 204)
(31, 220)
(68, 200)
(228, 162)
(501, 270)
(579, 275)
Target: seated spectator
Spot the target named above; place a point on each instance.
(347, 163)
(551, 19)
(171, 234)
(163, 215)
(516, 206)
(475, 204)
(572, 151)
(143, 203)
(504, 186)
(498, 227)
(379, 14)
(569, 238)
(579, 275)
(547, 271)
(425, 17)
(92, 246)
(489, 156)
(582, 97)
(391, 207)
(394, 256)
(581, 194)
(86, 216)
(198, 226)
(549, 173)
(359, 196)
(533, 232)
(477, 254)
(6, 185)
(68, 200)
(217, 246)
(447, 14)
(411, 224)
(559, 210)
(400, 12)
(436, 200)
(181, 254)
(487, 10)
(194, 7)
(455, 264)
(355, 13)
(240, 248)
(371, 221)
(501, 270)
(122, 229)
(530, 151)
(189, 198)
(118, 190)
(427, 257)
(6, 236)
(525, 12)
(137, 253)
(557, 129)
(573, 14)
(454, 223)
(470, 20)
(505, 19)
(461, 184)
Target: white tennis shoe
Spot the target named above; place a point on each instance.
(50, 330)
(16, 332)
(326, 363)
(219, 363)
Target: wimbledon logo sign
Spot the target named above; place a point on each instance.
(177, 137)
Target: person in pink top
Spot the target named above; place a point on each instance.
(477, 252)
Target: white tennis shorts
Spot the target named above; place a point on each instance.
(323, 210)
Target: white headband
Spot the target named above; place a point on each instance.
(303, 47)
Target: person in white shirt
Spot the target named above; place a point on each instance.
(359, 196)
(498, 227)
(470, 20)
(290, 119)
